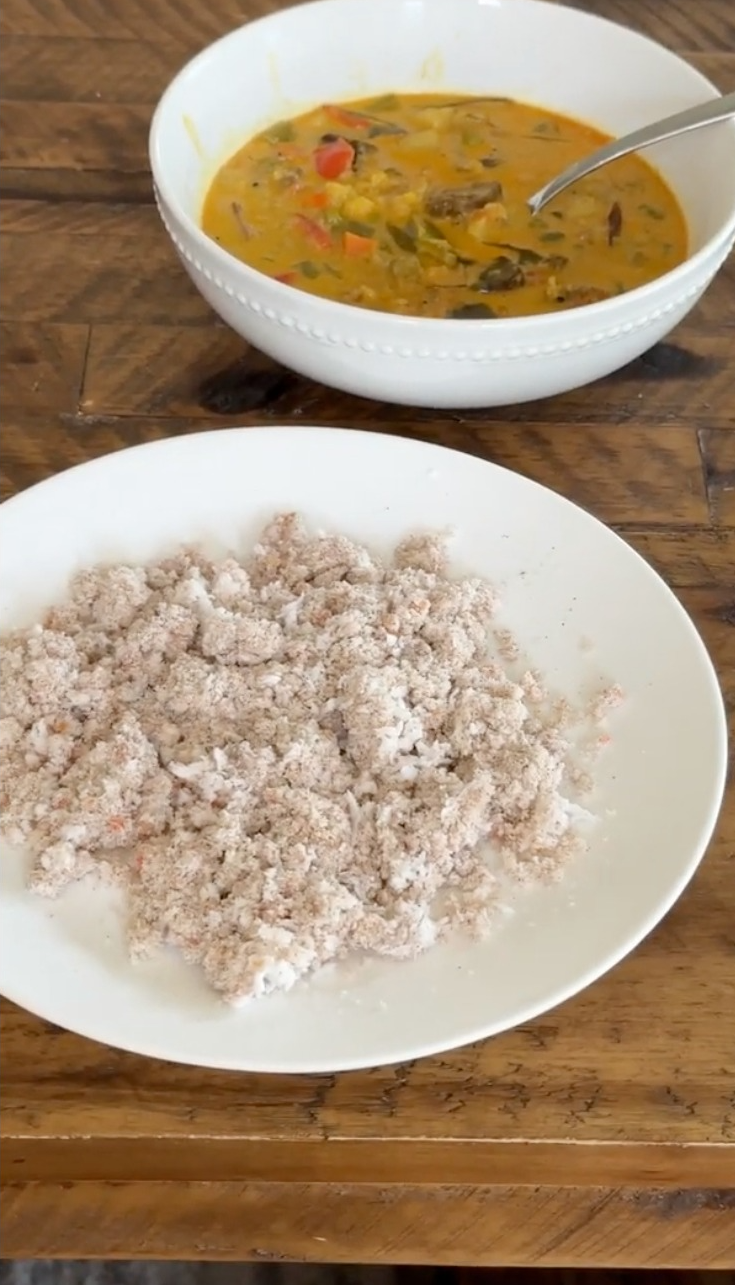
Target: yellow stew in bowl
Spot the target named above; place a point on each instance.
(416, 204)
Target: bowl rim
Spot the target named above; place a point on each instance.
(332, 308)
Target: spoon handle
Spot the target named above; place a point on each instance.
(708, 113)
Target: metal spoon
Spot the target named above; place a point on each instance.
(709, 113)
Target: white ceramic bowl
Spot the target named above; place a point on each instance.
(335, 50)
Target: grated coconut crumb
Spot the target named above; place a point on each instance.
(287, 759)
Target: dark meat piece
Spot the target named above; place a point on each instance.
(472, 312)
(502, 274)
(455, 202)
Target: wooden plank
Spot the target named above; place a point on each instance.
(73, 70)
(701, 28)
(80, 218)
(41, 367)
(684, 557)
(133, 1158)
(188, 371)
(160, 21)
(96, 278)
(60, 187)
(718, 460)
(93, 136)
(627, 474)
(485, 1226)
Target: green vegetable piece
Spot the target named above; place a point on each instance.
(282, 132)
(652, 211)
(356, 228)
(433, 230)
(552, 236)
(308, 269)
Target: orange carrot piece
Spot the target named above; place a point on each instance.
(315, 200)
(358, 246)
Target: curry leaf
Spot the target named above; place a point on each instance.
(404, 239)
(614, 223)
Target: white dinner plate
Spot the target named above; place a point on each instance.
(586, 609)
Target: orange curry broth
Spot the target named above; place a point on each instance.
(416, 204)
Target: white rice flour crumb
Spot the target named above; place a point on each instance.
(284, 760)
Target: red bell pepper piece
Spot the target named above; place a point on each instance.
(332, 159)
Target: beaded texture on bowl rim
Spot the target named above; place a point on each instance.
(319, 335)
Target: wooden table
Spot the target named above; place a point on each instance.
(602, 1134)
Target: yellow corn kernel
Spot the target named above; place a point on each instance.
(359, 207)
(337, 194)
(403, 206)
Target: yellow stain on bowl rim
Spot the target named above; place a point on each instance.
(193, 133)
(432, 68)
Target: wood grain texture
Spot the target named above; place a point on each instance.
(602, 1134)
(718, 459)
(492, 1226)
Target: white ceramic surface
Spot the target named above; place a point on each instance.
(587, 609)
(562, 58)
